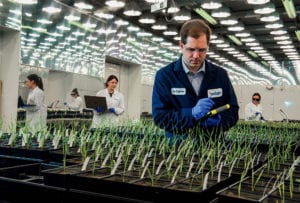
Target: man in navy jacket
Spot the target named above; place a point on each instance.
(187, 89)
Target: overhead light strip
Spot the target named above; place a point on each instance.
(252, 53)
(298, 34)
(289, 8)
(235, 39)
(206, 16)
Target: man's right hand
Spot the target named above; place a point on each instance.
(202, 107)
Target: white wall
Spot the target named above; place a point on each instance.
(60, 85)
(147, 98)
(9, 74)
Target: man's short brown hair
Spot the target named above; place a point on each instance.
(194, 28)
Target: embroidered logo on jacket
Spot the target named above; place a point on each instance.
(213, 93)
(178, 91)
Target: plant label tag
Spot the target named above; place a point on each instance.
(85, 163)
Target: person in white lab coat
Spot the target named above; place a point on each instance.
(36, 116)
(115, 105)
(76, 104)
(253, 110)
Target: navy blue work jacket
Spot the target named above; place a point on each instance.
(174, 97)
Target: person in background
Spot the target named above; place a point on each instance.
(115, 104)
(36, 116)
(253, 110)
(187, 89)
(76, 104)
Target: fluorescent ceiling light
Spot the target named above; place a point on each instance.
(278, 32)
(236, 28)
(265, 9)
(274, 25)
(242, 34)
(26, 1)
(257, 1)
(51, 10)
(173, 9)
(72, 18)
(159, 27)
(289, 8)
(114, 4)
(221, 13)
(100, 14)
(206, 16)
(82, 5)
(228, 21)
(211, 4)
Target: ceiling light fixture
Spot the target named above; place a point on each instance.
(221, 13)
(82, 5)
(100, 14)
(131, 9)
(242, 34)
(266, 9)
(298, 34)
(274, 25)
(252, 53)
(115, 3)
(270, 18)
(257, 1)
(211, 4)
(147, 19)
(159, 26)
(26, 1)
(235, 39)
(228, 21)
(206, 16)
(289, 8)
(182, 15)
(236, 28)
(173, 9)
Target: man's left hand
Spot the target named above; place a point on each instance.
(211, 121)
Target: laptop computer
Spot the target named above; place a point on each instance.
(94, 101)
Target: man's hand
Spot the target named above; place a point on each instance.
(211, 121)
(202, 107)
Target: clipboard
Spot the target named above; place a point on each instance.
(93, 101)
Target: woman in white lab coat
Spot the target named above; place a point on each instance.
(36, 116)
(253, 110)
(76, 104)
(115, 105)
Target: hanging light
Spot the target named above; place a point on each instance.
(115, 3)
(211, 4)
(221, 13)
(131, 9)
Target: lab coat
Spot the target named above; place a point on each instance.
(107, 118)
(250, 111)
(76, 104)
(36, 117)
(174, 97)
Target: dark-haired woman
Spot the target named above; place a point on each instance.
(253, 110)
(115, 104)
(76, 104)
(36, 116)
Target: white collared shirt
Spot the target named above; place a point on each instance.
(195, 78)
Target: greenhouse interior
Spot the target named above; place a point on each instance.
(86, 113)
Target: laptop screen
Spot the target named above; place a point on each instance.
(94, 101)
